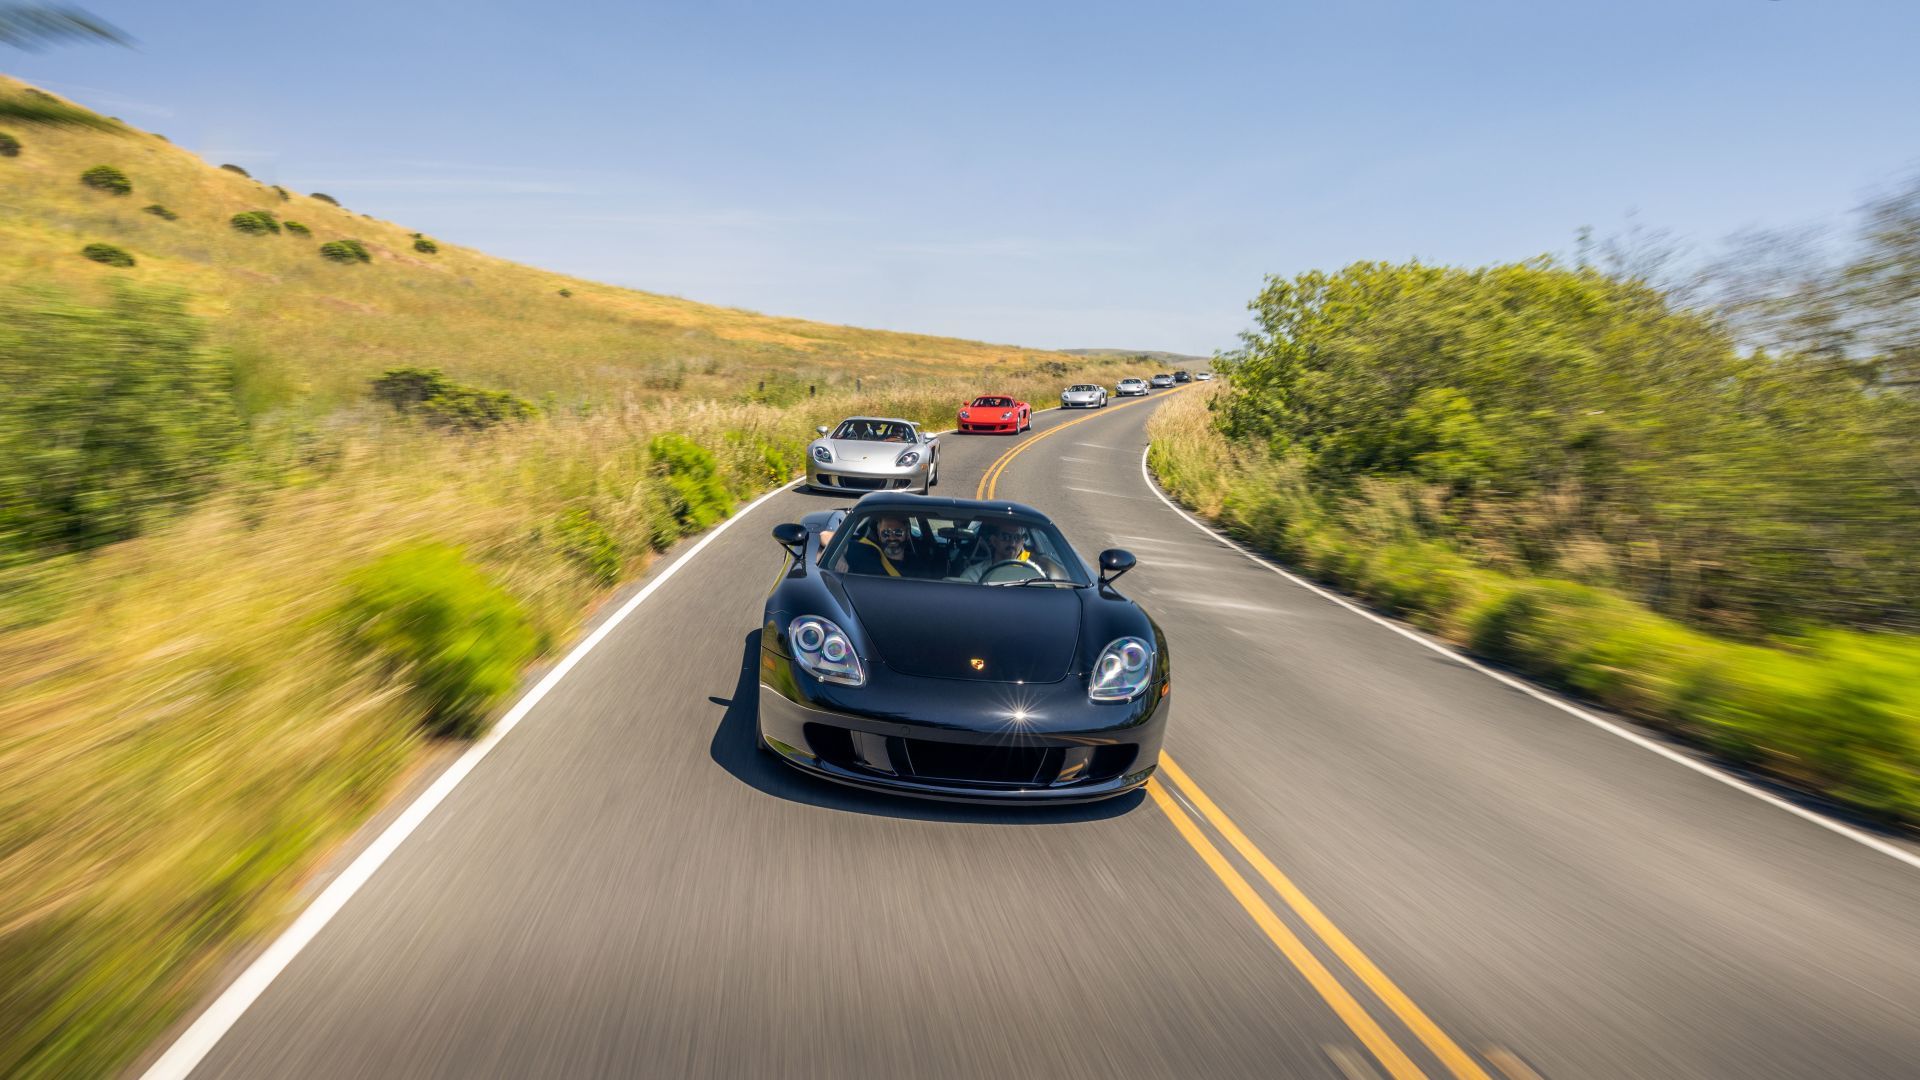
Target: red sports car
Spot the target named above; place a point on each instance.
(989, 413)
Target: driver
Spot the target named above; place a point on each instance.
(885, 551)
(1006, 541)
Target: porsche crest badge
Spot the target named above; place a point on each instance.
(978, 664)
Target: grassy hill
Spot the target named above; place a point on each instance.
(1140, 355)
(245, 594)
(322, 328)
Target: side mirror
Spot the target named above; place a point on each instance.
(792, 534)
(822, 429)
(1113, 563)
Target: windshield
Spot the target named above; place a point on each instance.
(873, 431)
(992, 402)
(1082, 388)
(993, 549)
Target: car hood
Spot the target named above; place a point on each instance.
(936, 629)
(860, 452)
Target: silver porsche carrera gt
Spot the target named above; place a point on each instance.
(1083, 396)
(870, 453)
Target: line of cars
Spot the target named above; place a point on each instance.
(883, 453)
(1035, 683)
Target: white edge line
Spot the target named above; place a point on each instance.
(197, 1041)
(1631, 736)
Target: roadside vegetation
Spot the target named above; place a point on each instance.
(270, 527)
(1567, 471)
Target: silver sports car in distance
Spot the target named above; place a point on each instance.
(1131, 388)
(1083, 396)
(871, 453)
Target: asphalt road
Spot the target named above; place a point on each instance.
(1435, 874)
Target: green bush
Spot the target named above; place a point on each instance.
(405, 388)
(296, 229)
(160, 212)
(108, 254)
(588, 544)
(424, 245)
(282, 192)
(1837, 712)
(566, 292)
(108, 179)
(429, 394)
(111, 417)
(325, 198)
(238, 169)
(254, 223)
(468, 408)
(434, 621)
(9, 146)
(695, 495)
(345, 251)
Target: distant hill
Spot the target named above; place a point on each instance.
(1178, 359)
(309, 328)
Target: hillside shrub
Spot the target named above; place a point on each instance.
(435, 622)
(470, 408)
(9, 146)
(588, 544)
(108, 254)
(160, 212)
(345, 251)
(108, 179)
(424, 245)
(296, 229)
(255, 223)
(325, 198)
(238, 169)
(696, 496)
(405, 388)
(111, 418)
(566, 292)
(430, 395)
(282, 192)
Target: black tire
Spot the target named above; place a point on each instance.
(933, 475)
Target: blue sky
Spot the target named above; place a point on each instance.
(1053, 175)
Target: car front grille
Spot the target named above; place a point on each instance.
(966, 764)
(865, 483)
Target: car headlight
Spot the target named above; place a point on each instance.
(823, 649)
(1006, 416)
(963, 414)
(822, 454)
(911, 457)
(1122, 672)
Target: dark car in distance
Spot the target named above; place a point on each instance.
(1182, 376)
(958, 649)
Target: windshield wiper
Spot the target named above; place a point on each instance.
(1035, 581)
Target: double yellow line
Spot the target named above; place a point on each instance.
(991, 479)
(1329, 986)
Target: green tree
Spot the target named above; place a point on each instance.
(1551, 409)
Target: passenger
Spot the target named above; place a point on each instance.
(887, 551)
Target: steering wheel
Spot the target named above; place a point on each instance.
(1026, 571)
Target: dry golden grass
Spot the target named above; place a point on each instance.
(324, 328)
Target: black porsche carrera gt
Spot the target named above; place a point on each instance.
(958, 650)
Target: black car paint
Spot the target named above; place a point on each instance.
(1037, 647)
